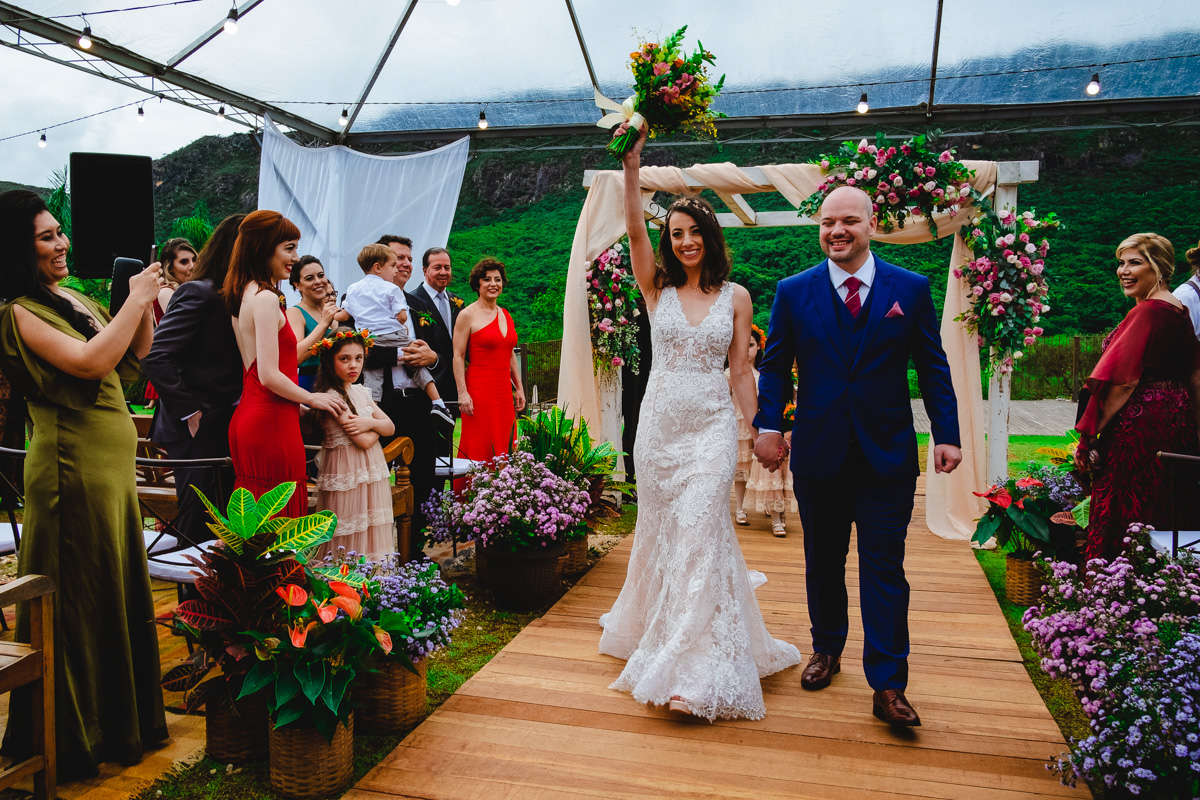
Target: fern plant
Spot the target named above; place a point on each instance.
(196, 228)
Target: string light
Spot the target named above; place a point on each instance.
(231, 21)
(453, 2)
(42, 141)
(141, 114)
(85, 38)
(344, 119)
(483, 123)
(1093, 87)
(863, 106)
(221, 112)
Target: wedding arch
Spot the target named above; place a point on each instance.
(950, 508)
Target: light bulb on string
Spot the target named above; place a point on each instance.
(863, 106)
(483, 123)
(344, 119)
(42, 141)
(85, 38)
(453, 2)
(221, 112)
(1093, 87)
(231, 21)
(141, 115)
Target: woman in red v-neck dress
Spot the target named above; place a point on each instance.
(486, 369)
(264, 434)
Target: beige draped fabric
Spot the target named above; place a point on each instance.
(951, 509)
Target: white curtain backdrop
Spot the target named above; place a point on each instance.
(341, 200)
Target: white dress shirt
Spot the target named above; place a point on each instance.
(433, 296)
(374, 303)
(1190, 297)
(866, 274)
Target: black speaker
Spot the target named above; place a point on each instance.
(112, 211)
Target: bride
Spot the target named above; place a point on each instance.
(686, 621)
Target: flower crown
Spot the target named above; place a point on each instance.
(692, 204)
(762, 337)
(362, 336)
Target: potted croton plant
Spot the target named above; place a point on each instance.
(238, 577)
(417, 611)
(1018, 516)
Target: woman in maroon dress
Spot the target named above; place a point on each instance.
(1143, 399)
(486, 368)
(264, 435)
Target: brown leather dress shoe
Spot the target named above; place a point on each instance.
(891, 706)
(820, 671)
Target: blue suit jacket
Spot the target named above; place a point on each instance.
(863, 394)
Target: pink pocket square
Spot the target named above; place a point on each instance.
(894, 311)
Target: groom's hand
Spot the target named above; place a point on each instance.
(946, 457)
(769, 449)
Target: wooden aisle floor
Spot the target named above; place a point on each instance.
(539, 720)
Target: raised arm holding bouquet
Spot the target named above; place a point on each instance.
(671, 92)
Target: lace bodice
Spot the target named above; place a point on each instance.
(678, 346)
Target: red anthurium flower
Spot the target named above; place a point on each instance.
(365, 592)
(344, 589)
(299, 633)
(344, 570)
(292, 594)
(353, 608)
(1025, 483)
(326, 612)
(384, 638)
(996, 495)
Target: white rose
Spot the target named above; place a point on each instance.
(1017, 354)
(1029, 248)
(871, 174)
(930, 186)
(1012, 259)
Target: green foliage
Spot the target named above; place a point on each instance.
(196, 227)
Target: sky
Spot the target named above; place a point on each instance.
(316, 50)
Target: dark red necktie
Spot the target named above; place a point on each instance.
(853, 304)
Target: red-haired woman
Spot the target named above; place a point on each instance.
(264, 435)
(1143, 399)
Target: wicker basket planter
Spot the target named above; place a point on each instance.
(575, 557)
(305, 765)
(523, 581)
(390, 699)
(1022, 581)
(235, 731)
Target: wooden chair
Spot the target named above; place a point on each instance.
(26, 664)
(399, 454)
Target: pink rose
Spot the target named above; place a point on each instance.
(824, 165)
(1029, 340)
(977, 291)
(1037, 268)
(930, 172)
(1038, 331)
(945, 157)
(618, 361)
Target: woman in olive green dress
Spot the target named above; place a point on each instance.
(82, 525)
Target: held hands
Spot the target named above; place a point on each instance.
(143, 287)
(770, 449)
(946, 457)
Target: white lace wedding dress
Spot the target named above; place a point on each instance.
(686, 620)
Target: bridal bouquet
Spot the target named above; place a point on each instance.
(671, 92)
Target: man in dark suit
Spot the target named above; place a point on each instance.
(405, 404)
(851, 324)
(195, 366)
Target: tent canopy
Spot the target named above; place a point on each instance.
(408, 67)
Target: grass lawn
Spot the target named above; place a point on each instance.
(1057, 693)
(1021, 450)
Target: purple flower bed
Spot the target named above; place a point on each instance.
(1126, 633)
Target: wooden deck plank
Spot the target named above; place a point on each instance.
(540, 721)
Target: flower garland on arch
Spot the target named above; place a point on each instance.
(1006, 281)
(612, 308)
(905, 182)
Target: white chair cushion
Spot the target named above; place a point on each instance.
(175, 567)
(445, 467)
(154, 544)
(8, 542)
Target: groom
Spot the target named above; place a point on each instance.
(850, 325)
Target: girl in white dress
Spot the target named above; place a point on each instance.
(686, 620)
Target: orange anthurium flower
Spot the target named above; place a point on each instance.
(299, 633)
(353, 608)
(326, 612)
(365, 592)
(384, 638)
(292, 594)
(344, 570)
(344, 589)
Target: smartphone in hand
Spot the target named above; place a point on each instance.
(123, 270)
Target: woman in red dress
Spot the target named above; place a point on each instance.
(1143, 399)
(486, 368)
(264, 435)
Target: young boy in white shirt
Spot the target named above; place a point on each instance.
(379, 305)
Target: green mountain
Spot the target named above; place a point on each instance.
(521, 200)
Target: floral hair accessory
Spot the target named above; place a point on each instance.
(759, 336)
(362, 336)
